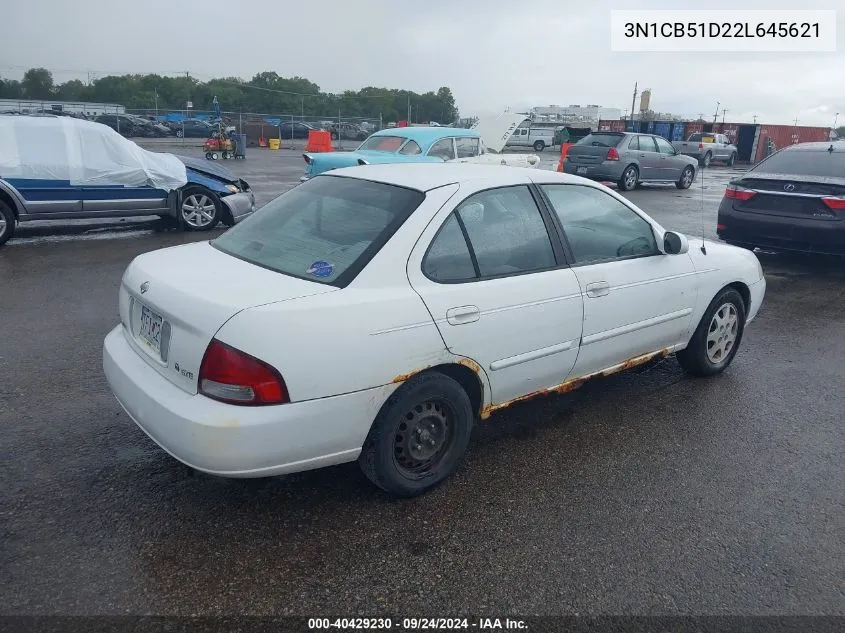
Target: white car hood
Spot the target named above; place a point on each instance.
(495, 131)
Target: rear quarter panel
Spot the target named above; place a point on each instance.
(376, 331)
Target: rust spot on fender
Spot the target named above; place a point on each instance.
(408, 376)
(575, 383)
(468, 362)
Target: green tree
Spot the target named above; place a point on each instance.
(10, 89)
(37, 83)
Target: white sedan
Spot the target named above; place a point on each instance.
(376, 312)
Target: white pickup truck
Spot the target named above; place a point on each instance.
(707, 148)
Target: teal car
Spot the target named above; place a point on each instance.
(400, 145)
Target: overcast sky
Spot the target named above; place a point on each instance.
(493, 54)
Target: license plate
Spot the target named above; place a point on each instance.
(150, 332)
(581, 170)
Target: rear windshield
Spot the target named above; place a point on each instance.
(382, 143)
(601, 139)
(822, 163)
(324, 230)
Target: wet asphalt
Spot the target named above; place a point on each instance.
(646, 493)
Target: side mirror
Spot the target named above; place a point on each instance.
(675, 243)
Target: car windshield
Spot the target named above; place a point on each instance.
(601, 140)
(324, 230)
(382, 143)
(821, 163)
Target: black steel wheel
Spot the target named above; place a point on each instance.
(419, 437)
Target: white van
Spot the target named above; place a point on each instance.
(537, 137)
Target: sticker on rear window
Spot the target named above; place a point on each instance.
(320, 269)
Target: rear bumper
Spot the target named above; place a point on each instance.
(779, 232)
(240, 205)
(607, 170)
(234, 441)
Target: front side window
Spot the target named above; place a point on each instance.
(324, 230)
(598, 227)
(467, 146)
(664, 146)
(443, 149)
(506, 232)
(647, 144)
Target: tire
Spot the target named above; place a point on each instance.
(208, 156)
(431, 410)
(687, 176)
(629, 179)
(706, 160)
(731, 160)
(334, 136)
(197, 202)
(180, 134)
(7, 223)
(539, 146)
(710, 335)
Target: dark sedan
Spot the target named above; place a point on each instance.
(793, 200)
(193, 128)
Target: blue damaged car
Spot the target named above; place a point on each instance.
(401, 145)
(57, 168)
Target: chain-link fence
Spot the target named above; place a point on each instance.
(292, 130)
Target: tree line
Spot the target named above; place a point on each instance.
(265, 93)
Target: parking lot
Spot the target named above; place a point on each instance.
(648, 492)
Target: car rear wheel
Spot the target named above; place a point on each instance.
(7, 223)
(180, 134)
(731, 160)
(201, 209)
(708, 158)
(539, 146)
(717, 337)
(419, 437)
(685, 181)
(630, 178)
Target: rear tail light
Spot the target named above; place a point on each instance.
(720, 227)
(612, 154)
(307, 159)
(835, 202)
(230, 375)
(701, 146)
(735, 192)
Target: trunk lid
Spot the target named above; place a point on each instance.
(173, 301)
(794, 196)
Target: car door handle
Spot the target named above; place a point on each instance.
(598, 289)
(463, 314)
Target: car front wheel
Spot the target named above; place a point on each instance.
(717, 337)
(201, 209)
(7, 223)
(419, 437)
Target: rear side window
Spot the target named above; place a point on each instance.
(448, 258)
(601, 139)
(324, 230)
(506, 232)
(821, 164)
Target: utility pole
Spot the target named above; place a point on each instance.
(716, 114)
(700, 116)
(755, 119)
(723, 115)
(796, 121)
(633, 105)
(835, 119)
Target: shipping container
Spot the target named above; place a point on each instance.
(663, 128)
(784, 135)
(678, 131)
(693, 127)
(612, 125)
